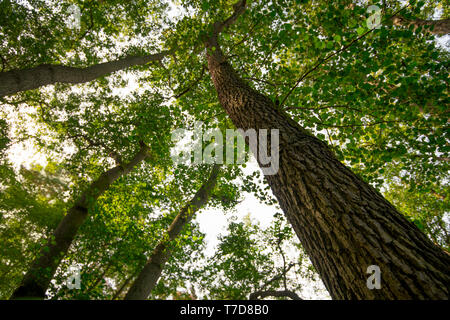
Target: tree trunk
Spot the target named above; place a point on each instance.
(14, 81)
(147, 279)
(123, 286)
(343, 223)
(37, 279)
(99, 279)
(441, 27)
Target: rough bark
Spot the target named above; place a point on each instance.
(343, 223)
(14, 81)
(36, 281)
(441, 27)
(147, 279)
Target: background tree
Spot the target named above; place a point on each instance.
(377, 98)
(252, 262)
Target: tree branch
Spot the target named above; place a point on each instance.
(278, 276)
(193, 84)
(239, 9)
(438, 27)
(274, 293)
(219, 26)
(16, 80)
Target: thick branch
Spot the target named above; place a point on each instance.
(439, 27)
(27, 79)
(239, 9)
(212, 42)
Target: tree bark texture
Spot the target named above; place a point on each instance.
(343, 223)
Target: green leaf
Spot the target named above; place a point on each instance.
(360, 30)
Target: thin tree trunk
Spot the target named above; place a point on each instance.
(14, 81)
(343, 223)
(42, 270)
(147, 279)
(441, 27)
(123, 286)
(99, 278)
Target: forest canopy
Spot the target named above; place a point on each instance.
(346, 101)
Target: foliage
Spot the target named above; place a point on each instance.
(379, 98)
(250, 259)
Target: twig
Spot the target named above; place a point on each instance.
(192, 85)
(274, 293)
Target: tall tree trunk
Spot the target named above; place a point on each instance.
(14, 81)
(440, 27)
(343, 223)
(36, 281)
(147, 279)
